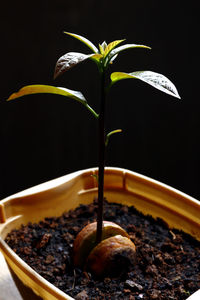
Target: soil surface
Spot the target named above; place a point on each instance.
(167, 262)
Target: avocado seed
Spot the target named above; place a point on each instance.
(115, 253)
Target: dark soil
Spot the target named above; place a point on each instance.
(167, 264)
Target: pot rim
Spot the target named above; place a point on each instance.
(62, 179)
(123, 183)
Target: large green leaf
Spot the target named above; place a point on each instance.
(156, 80)
(48, 89)
(68, 61)
(117, 50)
(84, 41)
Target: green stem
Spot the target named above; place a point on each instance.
(101, 159)
(92, 111)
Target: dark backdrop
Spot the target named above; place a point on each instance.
(43, 137)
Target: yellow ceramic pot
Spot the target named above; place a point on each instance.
(54, 197)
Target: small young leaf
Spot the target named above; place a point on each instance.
(96, 177)
(48, 89)
(125, 47)
(111, 46)
(84, 41)
(104, 45)
(101, 49)
(111, 133)
(68, 61)
(156, 80)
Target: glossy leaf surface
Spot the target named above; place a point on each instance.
(48, 89)
(156, 80)
(68, 61)
(85, 41)
(126, 47)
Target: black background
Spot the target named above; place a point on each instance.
(45, 136)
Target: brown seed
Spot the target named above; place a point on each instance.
(112, 256)
(86, 240)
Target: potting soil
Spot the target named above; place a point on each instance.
(167, 262)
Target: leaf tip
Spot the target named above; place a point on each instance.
(13, 96)
(9, 98)
(146, 47)
(178, 96)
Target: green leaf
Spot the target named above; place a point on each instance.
(68, 61)
(104, 45)
(96, 177)
(112, 58)
(48, 89)
(111, 133)
(84, 41)
(111, 46)
(96, 57)
(125, 47)
(101, 49)
(116, 76)
(156, 80)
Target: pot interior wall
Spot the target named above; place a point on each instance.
(121, 186)
(65, 193)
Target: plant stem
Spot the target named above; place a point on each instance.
(92, 110)
(101, 159)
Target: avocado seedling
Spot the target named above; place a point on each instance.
(102, 245)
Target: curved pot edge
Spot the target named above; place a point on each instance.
(61, 180)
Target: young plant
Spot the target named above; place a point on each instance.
(103, 56)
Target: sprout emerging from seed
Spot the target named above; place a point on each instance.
(113, 255)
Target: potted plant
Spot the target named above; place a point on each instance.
(93, 245)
